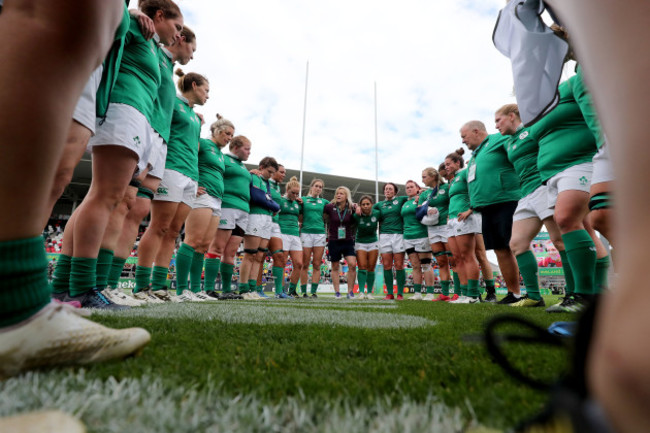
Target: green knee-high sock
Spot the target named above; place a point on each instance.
(581, 251)
(159, 278)
(303, 289)
(463, 289)
(252, 285)
(115, 272)
(292, 288)
(456, 284)
(61, 277)
(570, 285)
(388, 280)
(82, 275)
(184, 258)
(370, 281)
(445, 287)
(417, 288)
(278, 274)
(226, 271)
(104, 262)
(430, 290)
(362, 275)
(602, 273)
(195, 272)
(400, 276)
(528, 268)
(212, 266)
(472, 288)
(23, 279)
(314, 288)
(142, 278)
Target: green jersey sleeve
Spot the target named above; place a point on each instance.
(312, 215)
(458, 194)
(522, 148)
(490, 175)
(391, 216)
(564, 137)
(413, 229)
(183, 145)
(237, 184)
(164, 106)
(367, 227)
(138, 79)
(276, 195)
(288, 217)
(211, 167)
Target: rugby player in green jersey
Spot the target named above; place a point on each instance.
(391, 240)
(437, 197)
(494, 192)
(312, 235)
(92, 104)
(533, 209)
(275, 243)
(34, 331)
(464, 225)
(290, 229)
(235, 207)
(221, 132)
(566, 150)
(416, 242)
(618, 363)
(366, 245)
(258, 231)
(202, 221)
(122, 139)
(180, 52)
(175, 195)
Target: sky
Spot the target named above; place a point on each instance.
(433, 63)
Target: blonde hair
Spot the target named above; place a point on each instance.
(220, 124)
(509, 108)
(293, 183)
(348, 194)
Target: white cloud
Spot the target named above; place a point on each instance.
(434, 64)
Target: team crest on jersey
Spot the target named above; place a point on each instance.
(320, 201)
(395, 202)
(295, 205)
(443, 192)
(523, 135)
(373, 219)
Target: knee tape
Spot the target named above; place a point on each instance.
(599, 201)
(250, 251)
(145, 192)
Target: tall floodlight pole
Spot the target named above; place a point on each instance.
(304, 123)
(376, 151)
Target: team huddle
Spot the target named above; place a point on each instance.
(148, 157)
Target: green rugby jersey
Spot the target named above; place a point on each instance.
(440, 201)
(413, 229)
(276, 195)
(183, 145)
(312, 215)
(522, 150)
(211, 167)
(261, 183)
(112, 65)
(237, 184)
(564, 137)
(583, 98)
(139, 76)
(458, 194)
(490, 176)
(288, 217)
(367, 227)
(390, 217)
(164, 108)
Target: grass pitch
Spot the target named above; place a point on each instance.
(299, 365)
